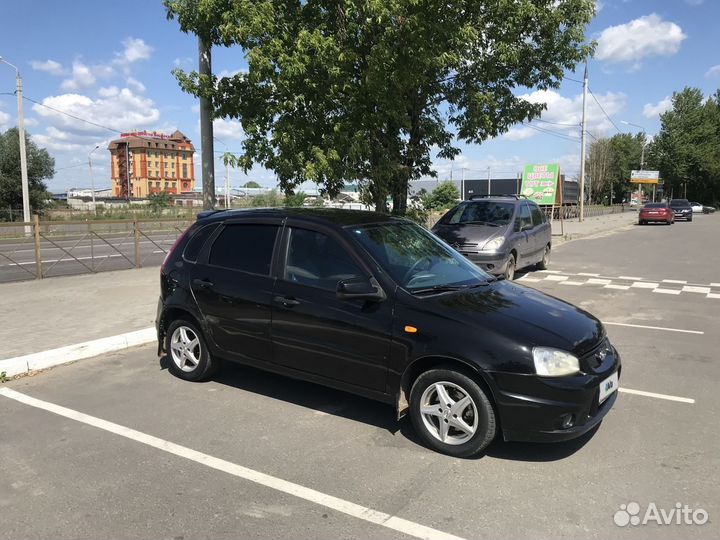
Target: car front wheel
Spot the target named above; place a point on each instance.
(451, 413)
(510, 268)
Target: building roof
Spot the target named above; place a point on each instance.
(140, 139)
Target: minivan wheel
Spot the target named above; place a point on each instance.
(510, 268)
(451, 413)
(189, 357)
(543, 264)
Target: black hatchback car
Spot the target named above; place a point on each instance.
(379, 306)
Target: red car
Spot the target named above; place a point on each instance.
(659, 212)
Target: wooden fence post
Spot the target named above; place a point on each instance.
(38, 254)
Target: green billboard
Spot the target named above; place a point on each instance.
(540, 183)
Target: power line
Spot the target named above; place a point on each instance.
(573, 80)
(555, 123)
(603, 110)
(72, 115)
(555, 133)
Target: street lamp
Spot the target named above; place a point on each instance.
(23, 154)
(92, 179)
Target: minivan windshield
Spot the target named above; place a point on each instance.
(417, 260)
(481, 213)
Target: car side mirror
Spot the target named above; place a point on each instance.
(360, 288)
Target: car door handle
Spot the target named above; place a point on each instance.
(204, 283)
(287, 301)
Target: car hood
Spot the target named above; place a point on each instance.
(459, 233)
(523, 315)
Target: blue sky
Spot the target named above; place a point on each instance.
(110, 62)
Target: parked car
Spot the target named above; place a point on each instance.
(499, 234)
(682, 209)
(697, 208)
(708, 209)
(380, 307)
(656, 212)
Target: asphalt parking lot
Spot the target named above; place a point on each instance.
(254, 455)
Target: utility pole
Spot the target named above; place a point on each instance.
(489, 190)
(227, 185)
(23, 153)
(206, 129)
(462, 185)
(92, 179)
(582, 146)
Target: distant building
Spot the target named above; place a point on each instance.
(156, 163)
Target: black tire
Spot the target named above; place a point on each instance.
(205, 366)
(641, 222)
(545, 261)
(482, 418)
(690, 219)
(510, 267)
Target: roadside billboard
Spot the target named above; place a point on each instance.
(644, 177)
(540, 183)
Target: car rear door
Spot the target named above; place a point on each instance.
(523, 226)
(313, 330)
(540, 235)
(233, 287)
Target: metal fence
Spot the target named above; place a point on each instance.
(40, 249)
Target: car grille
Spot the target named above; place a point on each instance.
(600, 359)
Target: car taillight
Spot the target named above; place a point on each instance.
(163, 267)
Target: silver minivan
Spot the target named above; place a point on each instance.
(498, 233)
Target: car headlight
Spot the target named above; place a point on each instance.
(554, 362)
(494, 244)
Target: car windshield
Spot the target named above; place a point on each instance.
(481, 212)
(417, 260)
(679, 202)
(655, 205)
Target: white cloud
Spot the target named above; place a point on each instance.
(179, 62)
(31, 122)
(135, 49)
(646, 36)
(135, 85)
(49, 66)
(599, 4)
(563, 115)
(119, 110)
(694, 2)
(713, 72)
(82, 77)
(5, 120)
(652, 110)
(227, 129)
(231, 73)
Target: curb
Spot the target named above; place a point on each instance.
(22, 365)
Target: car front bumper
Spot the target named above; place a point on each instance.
(533, 408)
(683, 215)
(492, 262)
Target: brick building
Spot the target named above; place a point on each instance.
(157, 162)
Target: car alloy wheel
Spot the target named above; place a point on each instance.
(543, 264)
(185, 349)
(510, 270)
(448, 413)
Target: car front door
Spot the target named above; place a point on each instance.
(522, 226)
(540, 234)
(233, 286)
(313, 330)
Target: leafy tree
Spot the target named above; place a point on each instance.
(295, 199)
(597, 167)
(252, 184)
(354, 90)
(444, 196)
(39, 167)
(625, 154)
(687, 149)
(270, 199)
(159, 201)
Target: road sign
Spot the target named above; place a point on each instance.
(540, 182)
(644, 177)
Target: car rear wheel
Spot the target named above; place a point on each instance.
(641, 222)
(189, 356)
(545, 261)
(451, 413)
(510, 268)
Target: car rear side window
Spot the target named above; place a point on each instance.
(197, 241)
(248, 248)
(538, 218)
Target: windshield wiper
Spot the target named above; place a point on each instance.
(448, 288)
(479, 223)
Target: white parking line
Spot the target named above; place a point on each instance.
(667, 291)
(680, 281)
(618, 287)
(589, 274)
(654, 328)
(691, 288)
(340, 505)
(630, 278)
(577, 283)
(644, 285)
(553, 277)
(599, 281)
(654, 395)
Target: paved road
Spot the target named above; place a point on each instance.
(112, 251)
(68, 476)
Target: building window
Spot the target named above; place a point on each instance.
(184, 155)
(184, 171)
(167, 184)
(173, 174)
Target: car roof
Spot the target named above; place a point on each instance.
(498, 198)
(334, 216)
